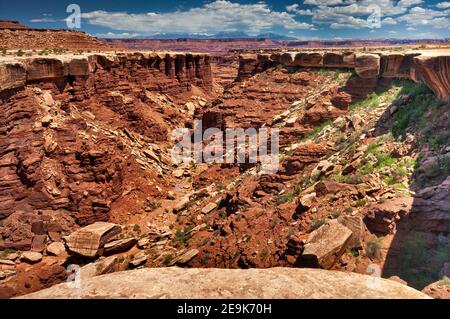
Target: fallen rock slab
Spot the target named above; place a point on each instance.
(191, 283)
(31, 257)
(89, 241)
(120, 245)
(325, 245)
(56, 249)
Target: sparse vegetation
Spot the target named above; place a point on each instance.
(6, 252)
(317, 129)
(182, 236)
(316, 224)
(20, 53)
(372, 101)
(373, 248)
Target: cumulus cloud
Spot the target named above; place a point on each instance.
(419, 16)
(213, 17)
(443, 5)
(353, 14)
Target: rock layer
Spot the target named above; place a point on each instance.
(433, 71)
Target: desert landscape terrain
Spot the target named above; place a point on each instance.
(358, 208)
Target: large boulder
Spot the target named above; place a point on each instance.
(90, 240)
(382, 217)
(284, 283)
(358, 228)
(325, 245)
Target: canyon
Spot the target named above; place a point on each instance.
(88, 179)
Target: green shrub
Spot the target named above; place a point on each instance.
(316, 224)
(373, 248)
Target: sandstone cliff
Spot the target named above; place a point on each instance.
(61, 166)
(433, 71)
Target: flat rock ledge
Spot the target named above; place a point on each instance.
(190, 283)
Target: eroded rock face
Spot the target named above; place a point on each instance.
(59, 167)
(232, 283)
(435, 73)
(367, 66)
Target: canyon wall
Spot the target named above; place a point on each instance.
(433, 71)
(74, 130)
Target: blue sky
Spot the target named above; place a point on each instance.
(304, 19)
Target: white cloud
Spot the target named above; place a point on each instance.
(408, 3)
(323, 2)
(388, 21)
(295, 8)
(213, 17)
(418, 16)
(43, 20)
(353, 14)
(443, 5)
(112, 35)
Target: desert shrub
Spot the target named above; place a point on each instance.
(20, 53)
(373, 248)
(182, 236)
(316, 224)
(265, 253)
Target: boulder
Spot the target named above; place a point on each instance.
(139, 259)
(31, 257)
(282, 283)
(89, 241)
(119, 245)
(323, 188)
(358, 228)
(382, 218)
(182, 204)
(56, 249)
(325, 245)
(185, 257)
(100, 267)
(208, 208)
(305, 202)
(438, 290)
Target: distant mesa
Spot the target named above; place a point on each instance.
(12, 25)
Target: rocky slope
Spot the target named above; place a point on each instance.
(14, 35)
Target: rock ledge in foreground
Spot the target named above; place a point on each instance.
(231, 283)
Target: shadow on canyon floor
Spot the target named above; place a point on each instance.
(421, 244)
